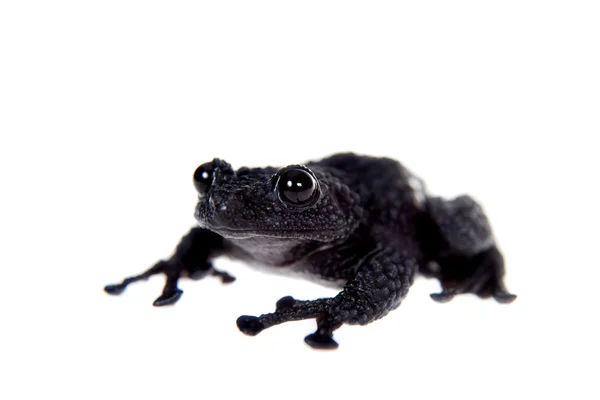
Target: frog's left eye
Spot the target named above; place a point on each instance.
(203, 177)
(297, 187)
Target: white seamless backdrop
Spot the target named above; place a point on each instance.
(106, 109)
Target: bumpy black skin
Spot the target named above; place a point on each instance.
(371, 229)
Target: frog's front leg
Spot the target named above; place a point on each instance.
(382, 281)
(191, 258)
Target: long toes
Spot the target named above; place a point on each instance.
(114, 289)
(285, 303)
(168, 298)
(321, 342)
(442, 297)
(249, 325)
(504, 297)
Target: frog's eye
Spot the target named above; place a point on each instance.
(203, 177)
(297, 186)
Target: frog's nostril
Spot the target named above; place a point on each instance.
(226, 207)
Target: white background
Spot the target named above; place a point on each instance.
(106, 108)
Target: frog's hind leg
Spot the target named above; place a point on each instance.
(464, 255)
(481, 275)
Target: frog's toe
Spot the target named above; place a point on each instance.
(168, 298)
(321, 342)
(114, 289)
(442, 297)
(504, 297)
(285, 303)
(249, 325)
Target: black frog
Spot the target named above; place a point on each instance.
(363, 223)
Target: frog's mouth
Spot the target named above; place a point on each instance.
(237, 233)
(209, 218)
(232, 233)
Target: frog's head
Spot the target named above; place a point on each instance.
(290, 202)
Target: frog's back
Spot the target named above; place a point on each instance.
(391, 195)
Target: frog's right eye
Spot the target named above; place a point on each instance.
(203, 177)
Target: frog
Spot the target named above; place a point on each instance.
(364, 224)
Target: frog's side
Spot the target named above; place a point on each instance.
(365, 223)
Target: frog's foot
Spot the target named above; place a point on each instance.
(481, 275)
(119, 288)
(171, 293)
(321, 339)
(191, 259)
(290, 309)
(173, 271)
(252, 326)
(482, 287)
(500, 295)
